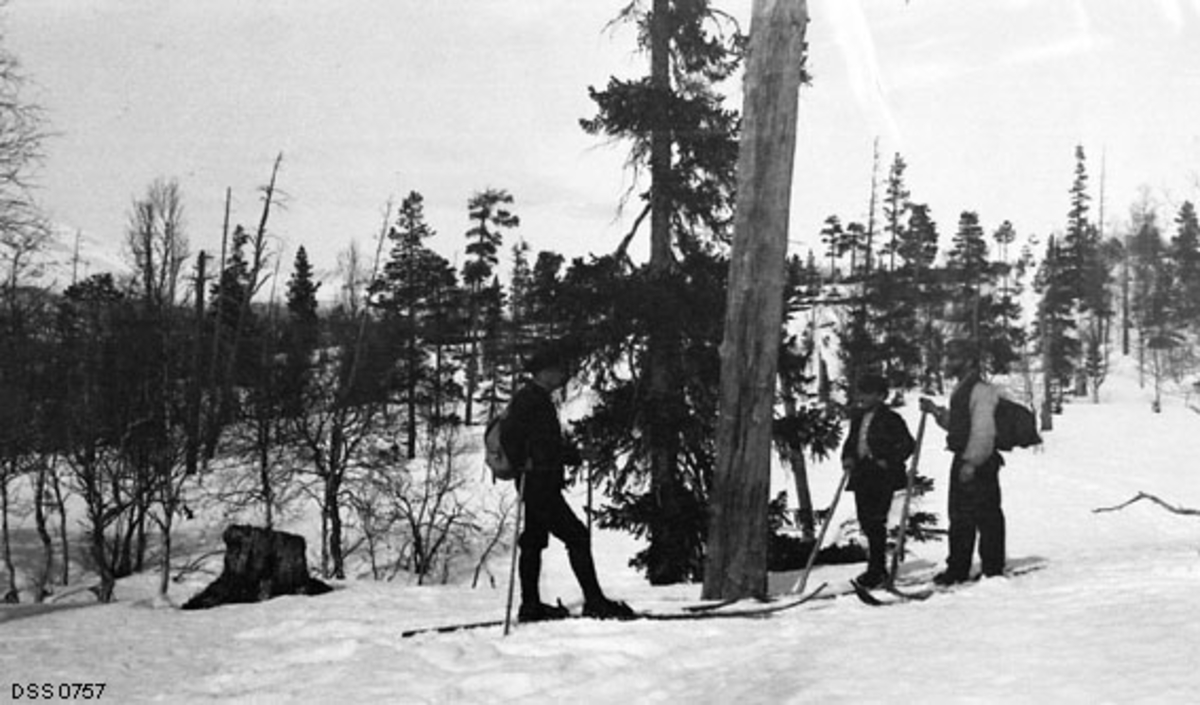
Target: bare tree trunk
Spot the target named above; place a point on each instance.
(737, 548)
(64, 539)
(100, 555)
(1047, 371)
(164, 578)
(805, 517)
(333, 509)
(43, 531)
(12, 595)
(870, 251)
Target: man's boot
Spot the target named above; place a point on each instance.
(532, 608)
(595, 604)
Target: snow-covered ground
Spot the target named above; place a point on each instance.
(1114, 618)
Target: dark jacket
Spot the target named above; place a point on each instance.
(888, 439)
(531, 434)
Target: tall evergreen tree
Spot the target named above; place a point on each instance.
(982, 310)
(834, 238)
(490, 214)
(1185, 253)
(1056, 323)
(895, 205)
(881, 338)
(414, 290)
(1088, 275)
(301, 331)
(679, 129)
(856, 243)
(919, 248)
(1078, 241)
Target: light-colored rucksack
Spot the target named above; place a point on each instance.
(494, 456)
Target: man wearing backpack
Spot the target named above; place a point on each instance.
(974, 503)
(533, 440)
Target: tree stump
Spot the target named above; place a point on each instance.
(259, 564)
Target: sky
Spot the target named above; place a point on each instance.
(1111, 618)
(368, 101)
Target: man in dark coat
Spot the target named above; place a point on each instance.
(974, 497)
(533, 440)
(874, 455)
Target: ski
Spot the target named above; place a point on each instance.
(762, 610)
(866, 596)
(706, 611)
(450, 628)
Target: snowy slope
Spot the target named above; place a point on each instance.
(1114, 617)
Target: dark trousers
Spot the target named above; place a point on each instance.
(872, 505)
(548, 514)
(974, 510)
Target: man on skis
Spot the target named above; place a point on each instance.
(974, 503)
(533, 439)
(874, 454)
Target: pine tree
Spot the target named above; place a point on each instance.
(489, 212)
(856, 244)
(835, 243)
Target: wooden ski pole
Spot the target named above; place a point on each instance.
(898, 555)
(812, 554)
(512, 571)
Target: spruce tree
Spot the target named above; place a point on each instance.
(895, 206)
(983, 311)
(417, 292)
(1185, 254)
(1078, 242)
(655, 339)
(301, 333)
(919, 248)
(1056, 323)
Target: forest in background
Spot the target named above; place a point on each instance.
(125, 393)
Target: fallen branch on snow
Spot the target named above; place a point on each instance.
(1143, 495)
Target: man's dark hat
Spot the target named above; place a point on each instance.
(550, 355)
(873, 384)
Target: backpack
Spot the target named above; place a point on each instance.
(1016, 426)
(493, 449)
